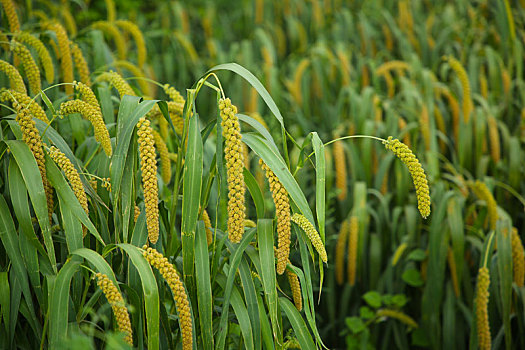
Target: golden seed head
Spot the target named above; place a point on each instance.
(110, 29)
(312, 234)
(207, 226)
(231, 132)
(170, 274)
(16, 82)
(136, 72)
(138, 37)
(518, 258)
(165, 163)
(353, 242)
(282, 211)
(80, 64)
(10, 13)
(296, 289)
(118, 306)
(41, 50)
(91, 113)
(482, 317)
(149, 177)
(118, 82)
(465, 86)
(21, 100)
(398, 315)
(340, 170)
(340, 248)
(416, 170)
(482, 191)
(30, 68)
(66, 63)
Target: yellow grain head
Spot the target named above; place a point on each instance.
(138, 37)
(296, 289)
(149, 177)
(402, 124)
(340, 170)
(482, 191)
(111, 30)
(68, 20)
(10, 13)
(93, 115)
(390, 84)
(340, 249)
(136, 213)
(32, 138)
(453, 271)
(170, 274)
(80, 64)
(43, 54)
(398, 66)
(296, 89)
(66, 63)
(110, 8)
(118, 82)
(505, 80)
(353, 241)
(207, 226)
(251, 106)
(165, 163)
(106, 183)
(518, 258)
(16, 82)
(231, 132)
(399, 253)
(454, 109)
(440, 123)
(246, 155)
(424, 126)
(495, 152)
(398, 315)
(312, 234)
(136, 72)
(416, 171)
(465, 86)
(71, 175)
(389, 41)
(365, 76)
(482, 315)
(30, 67)
(22, 100)
(282, 211)
(118, 306)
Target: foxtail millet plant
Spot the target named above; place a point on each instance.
(207, 226)
(518, 258)
(231, 131)
(148, 164)
(110, 29)
(118, 306)
(31, 70)
(282, 211)
(170, 274)
(465, 86)
(66, 63)
(398, 315)
(118, 82)
(416, 171)
(312, 234)
(80, 64)
(16, 82)
(481, 190)
(18, 98)
(12, 18)
(165, 162)
(340, 249)
(296, 289)
(138, 37)
(340, 170)
(482, 316)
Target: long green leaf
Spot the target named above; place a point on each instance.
(204, 294)
(298, 325)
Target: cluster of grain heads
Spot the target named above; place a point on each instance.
(21, 99)
(118, 306)
(138, 37)
(80, 64)
(353, 241)
(32, 138)
(110, 29)
(12, 18)
(398, 315)
(416, 171)
(43, 54)
(482, 315)
(340, 170)
(137, 73)
(170, 274)
(231, 132)
(149, 177)
(30, 67)
(118, 82)
(465, 86)
(518, 258)
(92, 114)
(296, 289)
(16, 83)
(481, 190)
(72, 176)
(66, 63)
(340, 251)
(312, 234)
(282, 211)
